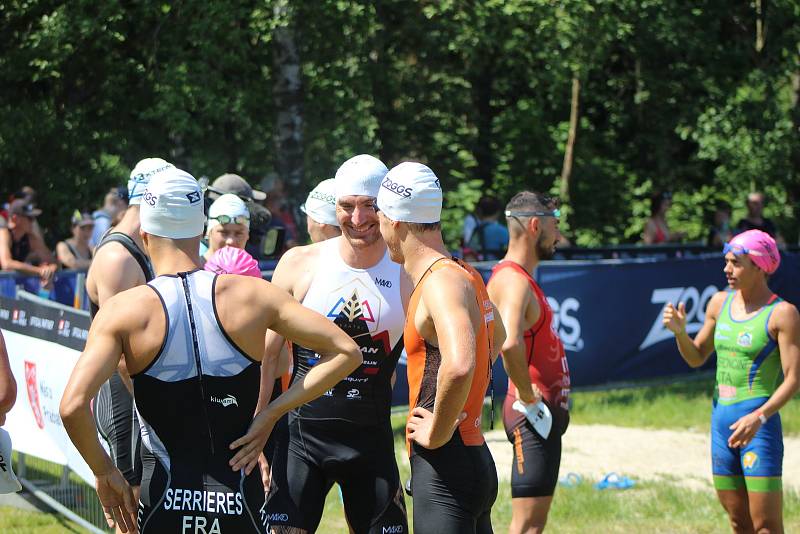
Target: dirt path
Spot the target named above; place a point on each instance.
(680, 456)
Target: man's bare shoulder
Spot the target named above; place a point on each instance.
(505, 280)
(129, 310)
(111, 256)
(450, 285)
(296, 264)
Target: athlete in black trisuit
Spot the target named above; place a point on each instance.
(345, 436)
(192, 342)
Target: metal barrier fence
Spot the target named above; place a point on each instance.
(61, 489)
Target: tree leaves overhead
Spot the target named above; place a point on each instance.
(672, 97)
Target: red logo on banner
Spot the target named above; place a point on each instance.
(33, 392)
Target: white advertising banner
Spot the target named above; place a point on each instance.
(41, 369)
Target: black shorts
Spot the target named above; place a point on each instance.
(317, 454)
(117, 423)
(454, 488)
(187, 499)
(280, 432)
(534, 471)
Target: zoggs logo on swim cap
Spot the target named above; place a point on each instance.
(397, 189)
(149, 198)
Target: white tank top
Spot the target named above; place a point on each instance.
(368, 305)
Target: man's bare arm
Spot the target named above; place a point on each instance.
(95, 366)
(511, 294)
(339, 356)
(451, 304)
(8, 386)
(119, 273)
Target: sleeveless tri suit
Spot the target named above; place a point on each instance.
(196, 397)
(113, 411)
(345, 436)
(534, 472)
(455, 485)
(748, 372)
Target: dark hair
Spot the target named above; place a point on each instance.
(723, 206)
(487, 206)
(418, 228)
(532, 201)
(657, 200)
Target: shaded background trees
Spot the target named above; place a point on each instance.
(701, 100)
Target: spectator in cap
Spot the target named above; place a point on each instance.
(113, 205)
(20, 248)
(233, 183)
(75, 252)
(320, 210)
(260, 217)
(228, 224)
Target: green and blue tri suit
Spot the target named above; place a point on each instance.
(748, 372)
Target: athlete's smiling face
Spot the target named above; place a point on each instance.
(740, 271)
(358, 220)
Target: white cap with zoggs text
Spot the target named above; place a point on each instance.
(411, 192)
(230, 205)
(172, 205)
(321, 203)
(360, 175)
(141, 175)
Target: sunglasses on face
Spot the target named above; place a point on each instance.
(227, 219)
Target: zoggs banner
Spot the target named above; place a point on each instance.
(608, 314)
(43, 346)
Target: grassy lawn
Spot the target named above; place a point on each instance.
(15, 521)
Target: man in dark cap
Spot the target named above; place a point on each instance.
(260, 216)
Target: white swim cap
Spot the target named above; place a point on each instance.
(231, 206)
(141, 174)
(360, 175)
(321, 203)
(411, 192)
(172, 205)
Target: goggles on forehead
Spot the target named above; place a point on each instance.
(227, 219)
(739, 250)
(552, 213)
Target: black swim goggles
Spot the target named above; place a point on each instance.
(227, 219)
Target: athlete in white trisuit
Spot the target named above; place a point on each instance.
(121, 263)
(345, 436)
(192, 342)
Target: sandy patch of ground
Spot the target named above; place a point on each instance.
(682, 457)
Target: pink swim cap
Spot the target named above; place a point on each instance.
(232, 260)
(759, 246)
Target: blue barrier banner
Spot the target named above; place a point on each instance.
(608, 314)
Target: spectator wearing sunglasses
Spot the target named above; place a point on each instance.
(228, 224)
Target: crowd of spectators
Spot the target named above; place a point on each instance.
(267, 224)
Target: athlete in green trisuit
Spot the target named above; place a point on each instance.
(756, 335)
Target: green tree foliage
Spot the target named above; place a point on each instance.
(699, 99)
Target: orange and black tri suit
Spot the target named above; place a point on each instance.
(455, 485)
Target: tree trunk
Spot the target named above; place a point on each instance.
(760, 29)
(566, 170)
(482, 92)
(288, 97)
